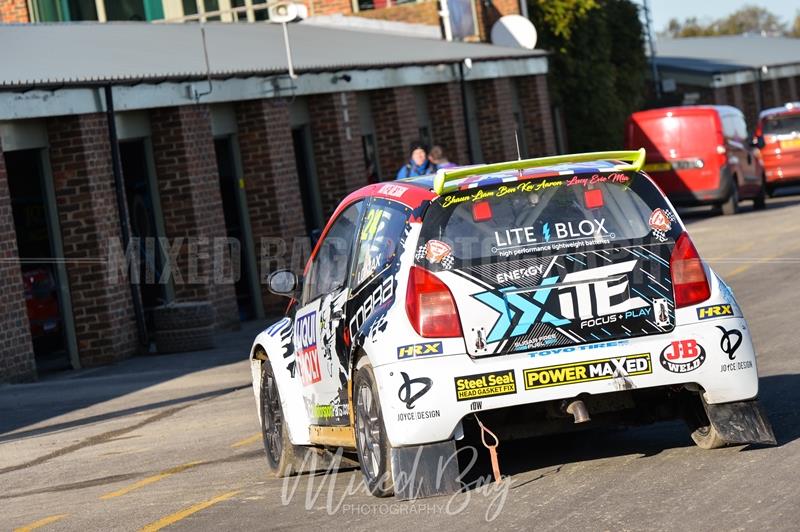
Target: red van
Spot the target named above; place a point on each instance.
(778, 134)
(699, 155)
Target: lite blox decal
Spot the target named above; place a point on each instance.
(547, 302)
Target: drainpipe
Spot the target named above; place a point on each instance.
(464, 111)
(122, 207)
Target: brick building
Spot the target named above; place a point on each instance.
(747, 71)
(225, 165)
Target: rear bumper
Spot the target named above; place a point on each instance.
(529, 378)
(711, 196)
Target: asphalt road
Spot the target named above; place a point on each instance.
(173, 441)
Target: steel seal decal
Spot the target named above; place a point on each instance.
(485, 385)
(588, 371)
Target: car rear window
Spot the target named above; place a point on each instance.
(680, 132)
(782, 124)
(547, 217)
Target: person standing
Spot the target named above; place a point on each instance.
(418, 163)
(438, 158)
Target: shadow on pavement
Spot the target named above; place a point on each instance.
(23, 405)
(778, 393)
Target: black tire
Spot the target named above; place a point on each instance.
(703, 433)
(760, 201)
(372, 445)
(283, 458)
(188, 315)
(185, 340)
(731, 205)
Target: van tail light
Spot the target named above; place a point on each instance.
(430, 306)
(688, 276)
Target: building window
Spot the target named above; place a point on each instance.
(215, 10)
(367, 5)
(63, 10)
(462, 19)
(96, 10)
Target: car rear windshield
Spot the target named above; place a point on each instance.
(782, 124)
(548, 216)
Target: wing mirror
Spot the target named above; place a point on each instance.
(757, 142)
(282, 283)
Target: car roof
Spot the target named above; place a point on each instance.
(787, 108)
(686, 110)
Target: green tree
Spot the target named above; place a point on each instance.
(748, 19)
(597, 67)
(795, 31)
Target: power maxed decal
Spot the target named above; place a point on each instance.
(592, 370)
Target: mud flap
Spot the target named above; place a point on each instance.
(742, 422)
(425, 470)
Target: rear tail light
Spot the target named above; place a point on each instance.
(430, 306)
(688, 276)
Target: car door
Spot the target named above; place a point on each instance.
(319, 321)
(372, 278)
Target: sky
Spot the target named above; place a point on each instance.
(708, 10)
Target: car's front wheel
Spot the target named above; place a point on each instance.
(372, 444)
(283, 458)
(760, 201)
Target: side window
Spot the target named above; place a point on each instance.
(328, 272)
(378, 240)
(727, 126)
(741, 127)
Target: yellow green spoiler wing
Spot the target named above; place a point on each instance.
(443, 182)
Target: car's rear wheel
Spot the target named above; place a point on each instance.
(731, 205)
(760, 201)
(703, 432)
(372, 444)
(283, 458)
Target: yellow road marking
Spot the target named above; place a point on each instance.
(743, 268)
(246, 441)
(149, 480)
(41, 522)
(177, 516)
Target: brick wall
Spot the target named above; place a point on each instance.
(188, 183)
(534, 99)
(80, 160)
(447, 120)
(750, 106)
(16, 351)
(14, 11)
(396, 127)
(496, 119)
(425, 12)
(338, 153)
(272, 186)
(329, 7)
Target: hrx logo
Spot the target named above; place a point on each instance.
(683, 356)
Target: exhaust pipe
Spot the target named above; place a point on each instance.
(577, 409)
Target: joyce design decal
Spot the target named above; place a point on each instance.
(485, 385)
(592, 370)
(548, 302)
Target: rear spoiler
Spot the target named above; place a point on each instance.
(444, 180)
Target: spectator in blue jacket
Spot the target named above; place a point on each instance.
(418, 163)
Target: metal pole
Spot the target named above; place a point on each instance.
(465, 112)
(649, 24)
(288, 50)
(122, 207)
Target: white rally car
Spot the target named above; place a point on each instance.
(527, 297)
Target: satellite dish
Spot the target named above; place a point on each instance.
(514, 31)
